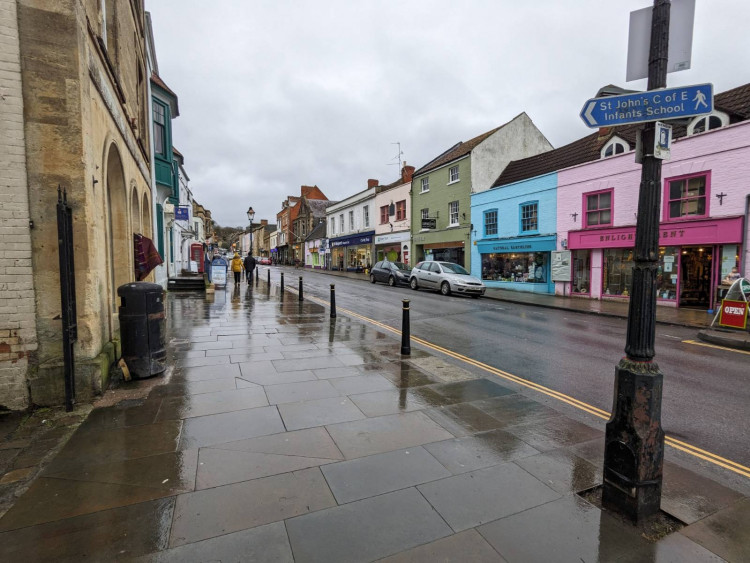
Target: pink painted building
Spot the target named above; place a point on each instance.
(704, 222)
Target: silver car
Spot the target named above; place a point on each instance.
(447, 278)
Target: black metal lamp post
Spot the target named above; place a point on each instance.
(634, 439)
(250, 217)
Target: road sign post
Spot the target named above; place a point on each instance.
(653, 105)
(634, 439)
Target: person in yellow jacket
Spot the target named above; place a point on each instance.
(237, 268)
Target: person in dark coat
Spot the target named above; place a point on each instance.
(249, 267)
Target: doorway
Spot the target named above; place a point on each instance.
(696, 264)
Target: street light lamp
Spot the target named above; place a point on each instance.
(250, 217)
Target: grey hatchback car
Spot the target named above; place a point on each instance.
(447, 278)
(392, 273)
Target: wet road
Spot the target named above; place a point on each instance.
(705, 390)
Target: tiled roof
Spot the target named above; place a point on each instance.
(318, 207)
(319, 231)
(456, 151)
(736, 102)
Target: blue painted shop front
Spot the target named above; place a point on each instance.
(520, 264)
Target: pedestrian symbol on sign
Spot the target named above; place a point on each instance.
(700, 99)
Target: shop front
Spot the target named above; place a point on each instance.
(520, 264)
(694, 257)
(314, 255)
(393, 247)
(352, 253)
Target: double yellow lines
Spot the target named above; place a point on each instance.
(572, 401)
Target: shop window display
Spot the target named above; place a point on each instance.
(618, 271)
(581, 271)
(667, 273)
(527, 267)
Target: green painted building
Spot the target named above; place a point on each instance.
(441, 189)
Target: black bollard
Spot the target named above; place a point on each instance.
(405, 332)
(333, 301)
(257, 275)
(300, 289)
(268, 278)
(282, 282)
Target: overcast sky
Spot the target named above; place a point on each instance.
(279, 93)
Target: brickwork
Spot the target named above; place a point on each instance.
(17, 305)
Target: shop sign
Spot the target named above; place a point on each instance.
(429, 223)
(352, 241)
(733, 314)
(323, 244)
(181, 214)
(392, 237)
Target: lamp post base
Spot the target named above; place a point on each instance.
(634, 442)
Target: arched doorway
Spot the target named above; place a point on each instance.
(118, 234)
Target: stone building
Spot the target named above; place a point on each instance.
(74, 113)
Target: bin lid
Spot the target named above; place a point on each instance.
(139, 287)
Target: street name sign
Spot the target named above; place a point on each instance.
(653, 105)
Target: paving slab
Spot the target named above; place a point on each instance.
(581, 532)
(311, 442)
(319, 413)
(251, 373)
(463, 419)
(461, 455)
(264, 544)
(385, 434)
(471, 499)
(233, 399)
(230, 427)
(462, 547)
(393, 401)
(300, 391)
(51, 499)
(107, 535)
(382, 473)
(725, 533)
(367, 529)
(203, 373)
(554, 432)
(562, 471)
(231, 508)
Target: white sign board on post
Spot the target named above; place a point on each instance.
(681, 17)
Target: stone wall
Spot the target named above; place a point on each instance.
(83, 100)
(18, 340)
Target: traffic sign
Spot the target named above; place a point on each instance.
(653, 105)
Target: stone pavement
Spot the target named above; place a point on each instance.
(280, 435)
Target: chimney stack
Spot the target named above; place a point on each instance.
(263, 222)
(372, 183)
(407, 172)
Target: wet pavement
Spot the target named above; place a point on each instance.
(279, 434)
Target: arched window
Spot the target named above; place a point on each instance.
(614, 146)
(713, 120)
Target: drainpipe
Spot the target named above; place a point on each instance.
(743, 262)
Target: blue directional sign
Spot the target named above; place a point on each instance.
(654, 105)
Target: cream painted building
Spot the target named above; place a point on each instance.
(75, 106)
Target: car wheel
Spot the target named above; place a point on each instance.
(391, 281)
(445, 288)
(475, 296)
(413, 283)
(372, 278)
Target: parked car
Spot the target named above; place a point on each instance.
(447, 278)
(264, 261)
(392, 273)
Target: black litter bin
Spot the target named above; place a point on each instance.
(142, 328)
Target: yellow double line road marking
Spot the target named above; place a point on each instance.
(572, 401)
(696, 343)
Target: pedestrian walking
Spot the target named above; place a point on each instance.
(249, 264)
(237, 267)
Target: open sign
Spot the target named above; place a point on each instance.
(733, 314)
